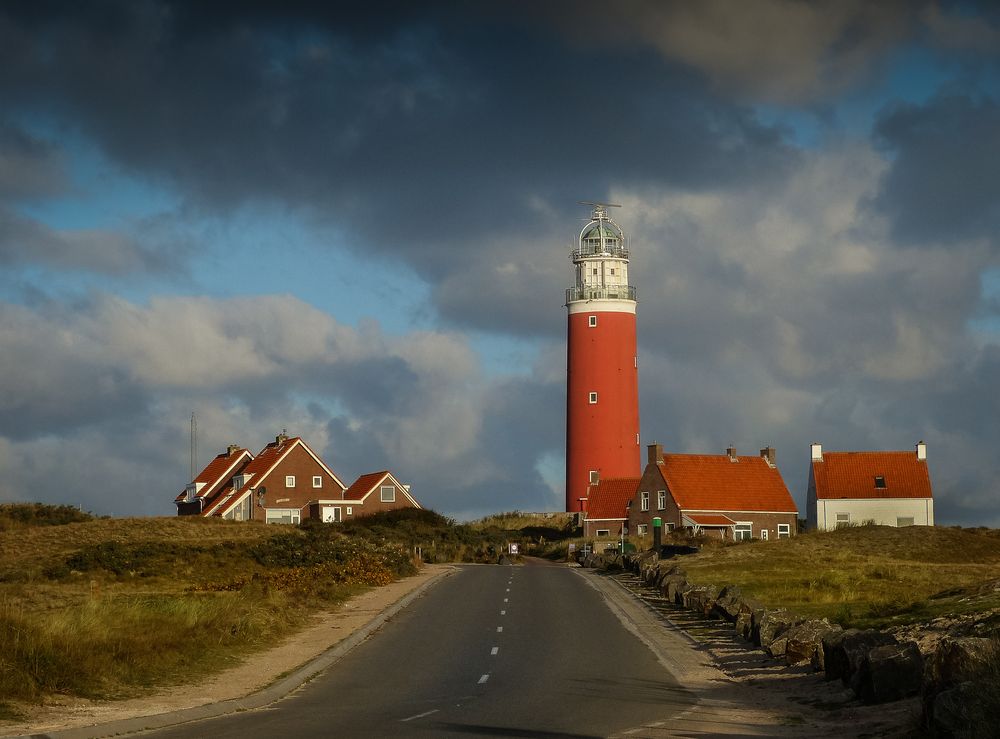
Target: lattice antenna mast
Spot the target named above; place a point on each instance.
(194, 445)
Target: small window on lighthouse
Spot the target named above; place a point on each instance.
(595, 270)
(593, 398)
(593, 321)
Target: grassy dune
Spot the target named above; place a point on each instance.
(864, 576)
(106, 608)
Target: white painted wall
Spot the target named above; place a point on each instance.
(883, 511)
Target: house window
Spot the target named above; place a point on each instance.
(843, 519)
(604, 532)
(289, 481)
(670, 526)
(593, 398)
(595, 270)
(388, 494)
(317, 481)
(612, 270)
(763, 534)
(879, 482)
(641, 529)
(644, 501)
(661, 500)
(331, 514)
(350, 510)
(282, 515)
(593, 321)
(743, 531)
(595, 477)
(784, 530)
(904, 520)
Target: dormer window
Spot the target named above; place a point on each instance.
(879, 482)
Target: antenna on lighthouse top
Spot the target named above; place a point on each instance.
(600, 211)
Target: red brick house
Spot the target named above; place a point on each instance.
(606, 504)
(723, 495)
(207, 488)
(286, 482)
(371, 493)
(278, 485)
(884, 488)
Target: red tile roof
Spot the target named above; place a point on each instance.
(852, 475)
(217, 471)
(713, 482)
(364, 485)
(608, 498)
(710, 519)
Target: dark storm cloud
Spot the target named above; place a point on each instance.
(944, 184)
(30, 167)
(412, 131)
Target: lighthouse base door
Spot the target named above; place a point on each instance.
(331, 513)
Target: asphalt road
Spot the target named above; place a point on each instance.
(490, 651)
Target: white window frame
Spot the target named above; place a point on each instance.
(293, 515)
(603, 532)
(842, 519)
(641, 529)
(595, 477)
(661, 500)
(317, 481)
(289, 481)
(350, 510)
(763, 534)
(592, 321)
(392, 494)
(784, 531)
(337, 515)
(644, 501)
(593, 397)
(743, 531)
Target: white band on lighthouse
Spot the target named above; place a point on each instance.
(601, 306)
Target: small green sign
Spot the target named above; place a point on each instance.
(657, 522)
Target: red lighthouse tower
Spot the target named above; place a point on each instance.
(602, 388)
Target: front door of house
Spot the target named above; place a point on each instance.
(331, 513)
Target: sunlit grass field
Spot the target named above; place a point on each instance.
(863, 576)
(102, 608)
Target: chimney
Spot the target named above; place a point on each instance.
(731, 451)
(281, 438)
(921, 451)
(769, 454)
(232, 449)
(816, 452)
(654, 453)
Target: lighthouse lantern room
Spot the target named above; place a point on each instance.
(602, 388)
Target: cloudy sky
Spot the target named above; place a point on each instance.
(355, 224)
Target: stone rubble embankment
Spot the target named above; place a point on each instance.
(876, 665)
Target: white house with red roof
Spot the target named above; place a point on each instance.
(884, 488)
(606, 506)
(286, 482)
(724, 495)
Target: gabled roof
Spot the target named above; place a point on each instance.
(366, 485)
(609, 497)
(217, 472)
(264, 463)
(852, 475)
(715, 482)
